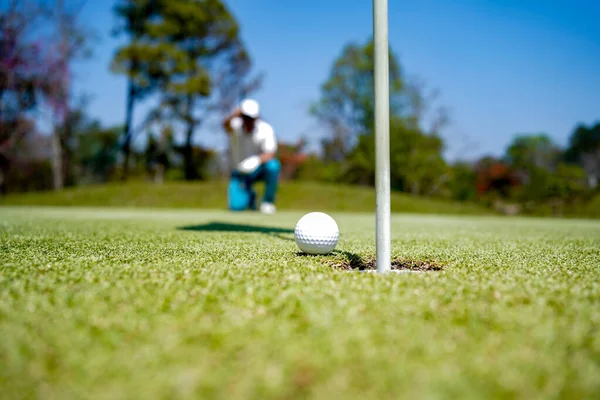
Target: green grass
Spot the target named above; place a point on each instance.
(213, 195)
(108, 303)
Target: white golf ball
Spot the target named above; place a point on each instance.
(316, 233)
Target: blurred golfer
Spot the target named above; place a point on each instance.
(252, 147)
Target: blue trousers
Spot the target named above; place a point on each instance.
(241, 195)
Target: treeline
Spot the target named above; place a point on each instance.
(189, 58)
(533, 173)
(186, 56)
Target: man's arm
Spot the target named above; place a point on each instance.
(269, 143)
(266, 156)
(227, 121)
(268, 150)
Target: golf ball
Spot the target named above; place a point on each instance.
(316, 233)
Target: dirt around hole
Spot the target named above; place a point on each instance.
(349, 261)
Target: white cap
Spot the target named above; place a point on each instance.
(250, 108)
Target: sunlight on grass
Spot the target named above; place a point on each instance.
(118, 303)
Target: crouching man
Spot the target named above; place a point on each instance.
(252, 145)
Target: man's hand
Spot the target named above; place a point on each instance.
(227, 122)
(249, 165)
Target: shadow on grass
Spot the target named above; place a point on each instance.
(281, 233)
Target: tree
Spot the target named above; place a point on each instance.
(567, 182)
(527, 152)
(191, 52)
(416, 162)
(92, 149)
(584, 150)
(210, 66)
(64, 40)
(462, 183)
(495, 178)
(22, 68)
(159, 153)
(346, 108)
(134, 59)
(38, 43)
(535, 158)
(30, 167)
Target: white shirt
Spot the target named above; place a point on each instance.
(243, 145)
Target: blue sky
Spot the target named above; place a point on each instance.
(502, 67)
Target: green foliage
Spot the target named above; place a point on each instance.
(97, 152)
(192, 53)
(161, 150)
(202, 158)
(416, 163)
(535, 190)
(347, 97)
(583, 140)
(584, 150)
(28, 176)
(462, 182)
(533, 151)
(346, 107)
(544, 178)
(204, 57)
(567, 182)
(139, 58)
(90, 150)
(556, 190)
(533, 157)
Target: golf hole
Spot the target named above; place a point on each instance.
(398, 266)
(352, 262)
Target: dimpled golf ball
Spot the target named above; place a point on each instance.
(316, 233)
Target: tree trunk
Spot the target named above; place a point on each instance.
(57, 160)
(127, 130)
(67, 177)
(58, 172)
(188, 155)
(4, 167)
(159, 173)
(2, 185)
(591, 166)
